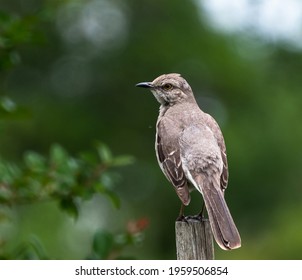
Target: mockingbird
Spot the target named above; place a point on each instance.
(190, 149)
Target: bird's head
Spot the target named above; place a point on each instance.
(169, 89)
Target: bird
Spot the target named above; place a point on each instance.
(191, 152)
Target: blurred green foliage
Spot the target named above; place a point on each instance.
(67, 75)
(60, 176)
(63, 178)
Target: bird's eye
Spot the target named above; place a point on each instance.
(167, 87)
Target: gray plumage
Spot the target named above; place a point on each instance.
(190, 149)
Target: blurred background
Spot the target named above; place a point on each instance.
(68, 70)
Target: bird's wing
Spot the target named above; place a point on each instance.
(200, 153)
(168, 156)
(212, 124)
(202, 163)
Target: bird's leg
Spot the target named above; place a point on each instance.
(181, 216)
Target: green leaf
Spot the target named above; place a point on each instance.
(104, 153)
(70, 206)
(9, 172)
(102, 244)
(114, 198)
(38, 247)
(109, 179)
(58, 155)
(30, 250)
(35, 161)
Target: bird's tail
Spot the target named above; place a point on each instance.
(224, 229)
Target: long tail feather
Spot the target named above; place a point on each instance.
(224, 229)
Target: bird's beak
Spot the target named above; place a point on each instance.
(144, 85)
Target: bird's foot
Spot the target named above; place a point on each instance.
(182, 218)
(196, 218)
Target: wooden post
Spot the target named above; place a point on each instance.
(194, 240)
